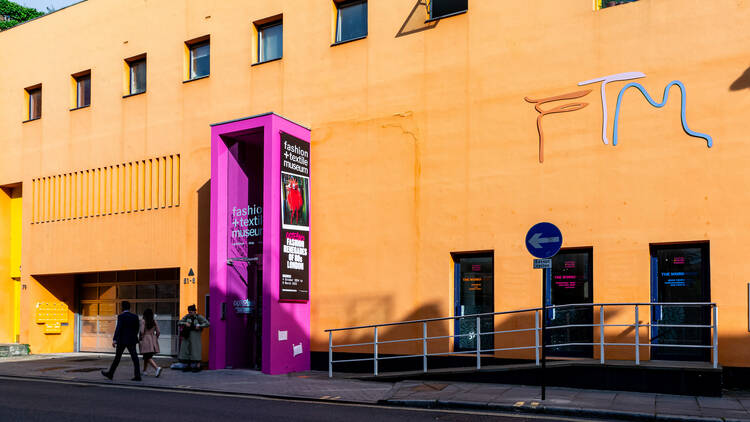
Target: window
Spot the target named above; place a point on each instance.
(351, 20)
(609, 3)
(443, 8)
(199, 59)
(136, 75)
(34, 102)
(571, 282)
(82, 89)
(474, 293)
(270, 41)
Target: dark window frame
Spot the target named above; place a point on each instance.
(31, 105)
(456, 258)
(340, 5)
(79, 78)
(132, 63)
(455, 12)
(192, 46)
(267, 24)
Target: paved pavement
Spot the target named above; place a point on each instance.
(314, 385)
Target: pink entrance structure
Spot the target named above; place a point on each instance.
(254, 323)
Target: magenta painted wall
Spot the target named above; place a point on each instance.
(228, 188)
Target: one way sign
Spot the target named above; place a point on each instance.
(543, 240)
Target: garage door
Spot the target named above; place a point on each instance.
(101, 295)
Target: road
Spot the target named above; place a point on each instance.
(60, 401)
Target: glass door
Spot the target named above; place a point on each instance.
(474, 294)
(571, 283)
(680, 273)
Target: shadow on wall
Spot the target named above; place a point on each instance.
(394, 344)
(415, 21)
(742, 82)
(203, 274)
(51, 288)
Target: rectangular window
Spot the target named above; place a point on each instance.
(444, 8)
(200, 59)
(270, 41)
(571, 282)
(83, 89)
(474, 286)
(34, 106)
(609, 3)
(136, 75)
(351, 20)
(680, 273)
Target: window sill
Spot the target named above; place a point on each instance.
(348, 41)
(31, 120)
(267, 61)
(196, 79)
(78, 108)
(446, 16)
(133, 95)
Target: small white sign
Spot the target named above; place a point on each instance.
(297, 349)
(542, 263)
(283, 335)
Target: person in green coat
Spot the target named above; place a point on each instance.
(190, 349)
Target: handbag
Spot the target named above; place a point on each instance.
(184, 331)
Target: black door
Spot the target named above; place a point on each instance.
(474, 294)
(680, 273)
(571, 283)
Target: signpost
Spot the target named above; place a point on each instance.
(544, 241)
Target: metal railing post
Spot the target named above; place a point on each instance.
(375, 352)
(536, 335)
(424, 346)
(716, 336)
(637, 338)
(330, 354)
(601, 334)
(479, 344)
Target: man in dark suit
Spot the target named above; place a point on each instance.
(126, 337)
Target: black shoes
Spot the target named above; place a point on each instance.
(136, 379)
(106, 374)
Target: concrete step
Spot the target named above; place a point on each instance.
(13, 349)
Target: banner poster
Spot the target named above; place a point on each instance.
(295, 219)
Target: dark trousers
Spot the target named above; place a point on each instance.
(133, 355)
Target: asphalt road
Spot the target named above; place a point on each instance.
(23, 400)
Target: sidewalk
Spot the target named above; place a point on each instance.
(610, 405)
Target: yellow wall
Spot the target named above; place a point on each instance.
(422, 143)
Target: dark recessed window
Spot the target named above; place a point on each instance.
(35, 102)
(137, 75)
(200, 59)
(609, 3)
(83, 89)
(270, 41)
(351, 20)
(442, 8)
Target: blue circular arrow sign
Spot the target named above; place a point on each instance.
(544, 240)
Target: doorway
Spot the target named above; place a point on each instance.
(680, 273)
(572, 282)
(474, 284)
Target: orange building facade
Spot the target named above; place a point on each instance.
(427, 149)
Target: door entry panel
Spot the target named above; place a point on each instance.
(475, 294)
(680, 273)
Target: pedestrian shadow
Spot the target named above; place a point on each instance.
(742, 82)
(416, 21)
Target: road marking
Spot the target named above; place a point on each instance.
(298, 400)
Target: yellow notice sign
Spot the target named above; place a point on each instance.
(52, 315)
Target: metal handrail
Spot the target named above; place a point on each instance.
(536, 329)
